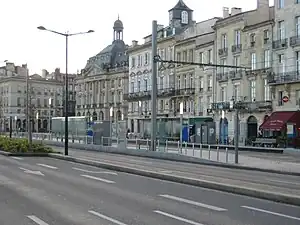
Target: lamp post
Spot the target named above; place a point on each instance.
(16, 118)
(50, 103)
(37, 120)
(66, 35)
(111, 114)
(235, 106)
(181, 123)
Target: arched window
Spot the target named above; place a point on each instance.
(184, 17)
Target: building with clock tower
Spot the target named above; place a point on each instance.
(180, 15)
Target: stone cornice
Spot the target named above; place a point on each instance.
(148, 44)
(258, 25)
(204, 45)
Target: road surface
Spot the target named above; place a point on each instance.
(45, 191)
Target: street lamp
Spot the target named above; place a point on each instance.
(181, 123)
(66, 35)
(111, 114)
(16, 118)
(37, 120)
(234, 106)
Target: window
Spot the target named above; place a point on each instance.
(146, 58)
(162, 54)
(178, 83)
(209, 102)
(185, 56)
(223, 94)
(170, 53)
(298, 26)
(191, 81)
(161, 105)
(200, 104)
(298, 62)
(133, 62)
(161, 83)
(297, 1)
(281, 62)
(280, 4)
(237, 39)
(209, 56)
(138, 86)
(224, 41)
(266, 36)
(191, 55)
(252, 40)
(201, 58)
(266, 90)
(236, 92)
(281, 30)
(297, 97)
(146, 84)
(184, 17)
(280, 97)
(267, 60)
(201, 84)
(184, 82)
(178, 56)
(253, 61)
(222, 69)
(209, 83)
(253, 90)
(237, 61)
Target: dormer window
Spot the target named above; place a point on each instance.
(184, 17)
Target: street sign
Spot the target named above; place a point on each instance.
(285, 98)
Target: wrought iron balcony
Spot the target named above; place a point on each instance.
(136, 96)
(259, 106)
(236, 48)
(184, 91)
(220, 106)
(223, 52)
(284, 78)
(295, 41)
(222, 77)
(258, 72)
(78, 106)
(236, 74)
(166, 92)
(280, 44)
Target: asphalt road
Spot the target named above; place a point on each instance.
(45, 191)
(254, 179)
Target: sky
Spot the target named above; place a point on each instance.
(21, 42)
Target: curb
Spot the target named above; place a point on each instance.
(272, 196)
(25, 154)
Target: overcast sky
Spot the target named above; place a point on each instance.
(21, 42)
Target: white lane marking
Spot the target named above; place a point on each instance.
(193, 203)
(37, 220)
(47, 166)
(90, 171)
(32, 171)
(97, 178)
(106, 218)
(272, 213)
(17, 158)
(177, 218)
(284, 182)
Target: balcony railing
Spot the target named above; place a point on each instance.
(184, 91)
(223, 52)
(236, 74)
(236, 48)
(143, 95)
(295, 41)
(280, 44)
(222, 77)
(283, 78)
(166, 92)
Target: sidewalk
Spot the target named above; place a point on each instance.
(281, 162)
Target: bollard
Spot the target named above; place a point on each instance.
(166, 149)
(209, 152)
(193, 149)
(226, 155)
(200, 150)
(186, 147)
(218, 154)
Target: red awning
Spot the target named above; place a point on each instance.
(277, 121)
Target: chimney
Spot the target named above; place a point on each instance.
(134, 43)
(235, 11)
(263, 4)
(225, 12)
